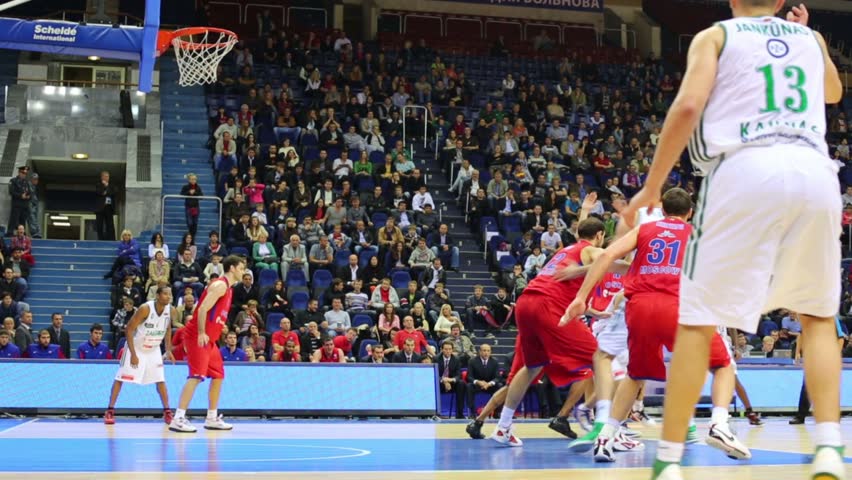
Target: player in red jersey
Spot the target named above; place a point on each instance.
(566, 351)
(559, 423)
(203, 357)
(652, 286)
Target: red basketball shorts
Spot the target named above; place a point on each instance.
(518, 363)
(652, 322)
(204, 362)
(566, 351)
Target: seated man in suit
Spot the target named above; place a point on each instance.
(407, 355)
(483, 375)
(58, 335)
(375, 354)
(449, 374)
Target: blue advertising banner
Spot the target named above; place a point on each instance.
(68, 38)
(572, 5)
(288, 389)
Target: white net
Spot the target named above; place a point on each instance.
(198, 55)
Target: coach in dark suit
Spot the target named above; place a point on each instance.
(24, 334)
(483, 375)
(407, 355)
(58, 335)
(105, 208)
(449, 374)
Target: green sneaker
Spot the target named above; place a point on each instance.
(692, 434)
(587, 441)
(666, 471)
(828, 464)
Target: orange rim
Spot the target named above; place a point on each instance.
(165, 38)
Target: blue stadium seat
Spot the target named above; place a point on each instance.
(379, 219)
(299, 301)
(507, 262)
(296, 278)
(361, 319)
(400, 279)
(362, 352)
(267, 278)
(273, 322)
(377, 156)
(341, 258)
(322, 278)
(364, 257)
(239, 251)
(512, 223)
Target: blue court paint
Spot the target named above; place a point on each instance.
(217, 453)
(10, 423)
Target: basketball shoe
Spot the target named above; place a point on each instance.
(828, 464)
(506, 437)
(217, 424)
(721, 437)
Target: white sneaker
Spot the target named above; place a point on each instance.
(506, 437)
(217, 424)
(181, 425)
(721, 437)
(623, 443)
(604, 450)
(585, 417)
(828, 464)
(629, 432)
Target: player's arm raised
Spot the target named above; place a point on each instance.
(602, 260)
(138, 317)
(683, 116)
(214, 293)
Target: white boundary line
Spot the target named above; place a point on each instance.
(2, 432)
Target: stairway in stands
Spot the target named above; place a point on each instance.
(185, 134)
(8, 76)
(68, 278)
(473, 269)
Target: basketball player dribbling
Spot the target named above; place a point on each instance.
(651, 287)
(141, 361)
(752, 110)
(203, 357)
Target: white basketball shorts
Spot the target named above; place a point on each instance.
(611, 334)
(766, 235)
(150, 369)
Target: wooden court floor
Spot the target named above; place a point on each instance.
(374, 450)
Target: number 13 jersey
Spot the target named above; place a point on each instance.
(660, 249)
(769, 90)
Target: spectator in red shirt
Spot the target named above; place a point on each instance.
(328, 353)
(344, 342)
(408, 331)
(291, 352)
(178, 338)
(280, 339)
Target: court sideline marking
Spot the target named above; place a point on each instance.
(13, 427)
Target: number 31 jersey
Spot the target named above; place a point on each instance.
(769, 90)
(660, 249)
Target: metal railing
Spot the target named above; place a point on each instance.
(425, 122)
(170, 196)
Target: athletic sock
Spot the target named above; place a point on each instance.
(659, 466)
(506, 416)
(638, 405)
(669, 452)
(692, 422)
(212, 414)
(827, 434)
(719, 416)
(180, 413)
(602, 408)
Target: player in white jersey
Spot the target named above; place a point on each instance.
(728, 335)
(142, 361)
(751, 109)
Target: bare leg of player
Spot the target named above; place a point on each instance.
(109, 416)
(822, 377)
(214, 421)
(180, 423)
(164, 397)
(686, 377)
(583, 414)
(495, 401)
(603, 392)
(503, 433)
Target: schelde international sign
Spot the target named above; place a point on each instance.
(577, 5)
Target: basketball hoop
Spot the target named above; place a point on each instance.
(198, 51)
